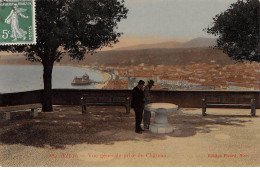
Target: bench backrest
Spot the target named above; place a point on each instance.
(229, 99)
(104, 99)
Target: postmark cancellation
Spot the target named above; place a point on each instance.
(17, 22)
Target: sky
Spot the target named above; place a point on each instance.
(152, 21)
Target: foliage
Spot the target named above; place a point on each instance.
(238, 30)
(72, 26)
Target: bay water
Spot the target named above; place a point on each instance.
(19, 78)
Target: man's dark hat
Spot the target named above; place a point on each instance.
(151, 82)
(141, 82)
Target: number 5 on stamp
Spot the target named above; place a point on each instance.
(17, 22)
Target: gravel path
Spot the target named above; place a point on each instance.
(105, 137)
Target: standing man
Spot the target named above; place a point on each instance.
(147, 100)
(138, 105)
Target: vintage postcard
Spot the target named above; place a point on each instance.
(133, 83)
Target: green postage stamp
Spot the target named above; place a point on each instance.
(17, 22)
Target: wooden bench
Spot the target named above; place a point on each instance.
(6, 110)
(228, 101)
(89, 100)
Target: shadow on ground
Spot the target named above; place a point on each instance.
(101, 125)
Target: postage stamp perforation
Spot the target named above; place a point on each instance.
(34, 22)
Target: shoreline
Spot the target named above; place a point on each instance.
(110, 76)
(106, 76)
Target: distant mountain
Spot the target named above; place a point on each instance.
(158, 56)
(194, 43)
(168, 53)
(169, 44)
(199, 42)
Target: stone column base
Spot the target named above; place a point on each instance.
(160, 128)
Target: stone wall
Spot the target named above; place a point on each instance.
(72, 96)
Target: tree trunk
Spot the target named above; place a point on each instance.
(47, 92)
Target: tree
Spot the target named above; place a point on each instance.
(72, 26)
(238, 30)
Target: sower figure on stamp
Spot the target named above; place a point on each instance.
(147, 100)
(12, 19)
(138, 105)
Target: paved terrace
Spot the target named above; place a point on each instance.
(105, 137)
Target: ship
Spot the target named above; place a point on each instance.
(81, 81)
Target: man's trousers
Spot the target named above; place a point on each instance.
(147, 118)
(138, 118)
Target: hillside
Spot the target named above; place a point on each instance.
(199, 42)
(194, 43)
(169, 44)
(167, 53)
(158, 56)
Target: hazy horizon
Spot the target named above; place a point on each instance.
(156, 21)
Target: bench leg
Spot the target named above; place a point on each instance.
(252, 107)
(127, 109)
(204, 107)
(204, 111)
(7, 115)
(34, 112)
(252, 111)
(84, 109)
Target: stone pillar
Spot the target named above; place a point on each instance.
(7, 115)
(34, 112)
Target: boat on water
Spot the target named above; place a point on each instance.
(81, 81)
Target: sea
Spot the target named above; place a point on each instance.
(20, 78)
